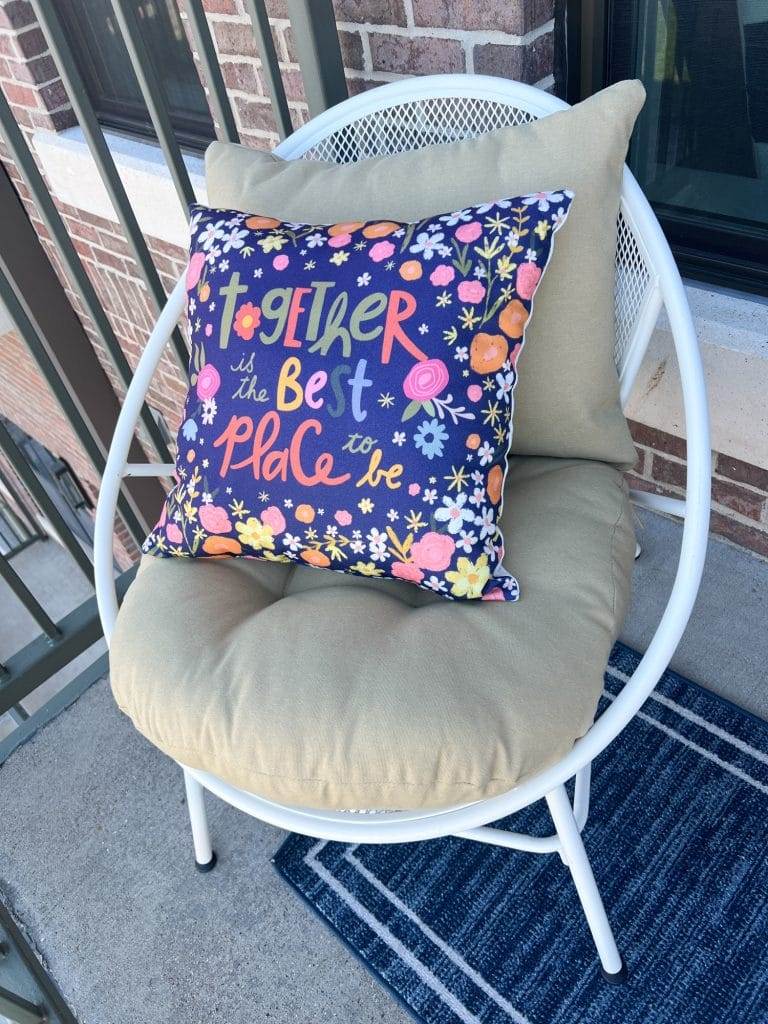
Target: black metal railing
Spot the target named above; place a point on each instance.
(44, 319)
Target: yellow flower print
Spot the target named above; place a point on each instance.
(457, 478)
(367, 569)
(542, 229)
(415, 521)
(505, 267)
(365, 505)
(468, 318)
(275, 556)
(489, 249)
(273, 243)
(238, 509)
(469, 578)
(190, 511)
(256, 534)
(340, 257)
(497, 223)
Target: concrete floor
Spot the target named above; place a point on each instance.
(43, 566)
(96, 861)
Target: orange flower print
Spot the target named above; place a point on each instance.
(410, 270)
(247, 319)
(380, 229)
(259, 223)
(316, 558)
(513, 318)
(487, 352)
(493, 486)
(215, 545)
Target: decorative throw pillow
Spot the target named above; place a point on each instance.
(569, 357)
(352, 388)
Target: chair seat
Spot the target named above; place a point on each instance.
(330, 691)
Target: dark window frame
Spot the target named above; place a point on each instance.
(707, 247)
(193, 132)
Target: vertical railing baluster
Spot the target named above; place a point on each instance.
(86, 116)
(127, 15)
(23, 594)
(47, 506)
(53, 221)
(68, 402)
(224, 119)
(257, 12)
(317, 42)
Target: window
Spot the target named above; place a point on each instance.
(700, 149)
(102, 59)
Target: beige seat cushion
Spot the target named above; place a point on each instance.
(313, 688)
(567, 403)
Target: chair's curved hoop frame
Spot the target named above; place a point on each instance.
(471, 820)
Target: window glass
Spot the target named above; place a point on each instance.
(104, 63)
(700, 150)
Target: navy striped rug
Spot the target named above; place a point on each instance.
(678, 839)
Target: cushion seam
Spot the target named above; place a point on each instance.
(614, 531)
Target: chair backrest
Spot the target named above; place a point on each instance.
(419, 112)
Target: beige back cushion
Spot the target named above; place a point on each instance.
(567, 403)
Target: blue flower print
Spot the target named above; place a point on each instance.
(429, 438)
(189, 430)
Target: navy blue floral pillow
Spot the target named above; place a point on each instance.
(351, 391)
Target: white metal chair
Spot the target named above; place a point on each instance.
(407, 115)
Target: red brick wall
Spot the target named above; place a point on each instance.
(381, 41)
(739, 490)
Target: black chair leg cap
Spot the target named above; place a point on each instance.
(618, 978)
(209, 866)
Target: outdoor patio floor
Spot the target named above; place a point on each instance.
(96, 859)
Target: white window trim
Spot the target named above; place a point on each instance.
(74, 178)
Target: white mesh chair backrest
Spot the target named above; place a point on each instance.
(425, 120)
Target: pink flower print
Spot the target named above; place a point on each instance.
(414, 489)
(497, 594)
(471, 291)
(280, 262)
(174, 534)
(339, 241)
(274, 519)
(195, 269)
(433, 552)
(474, 392)
(342, 517)
(469, 232)
(214, 519)
(425, 380)
(208, 382)
(208, 330)
(381, 251)
(407, 571)
(442, 275)
(527, 280)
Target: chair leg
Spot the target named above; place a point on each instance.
(205, 858)
(614, 969)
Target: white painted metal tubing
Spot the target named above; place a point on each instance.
(198, 818)
(658, 503)
(584, 880)
(431, 823)
(512, 840)
(118, 455)
(149, 469)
